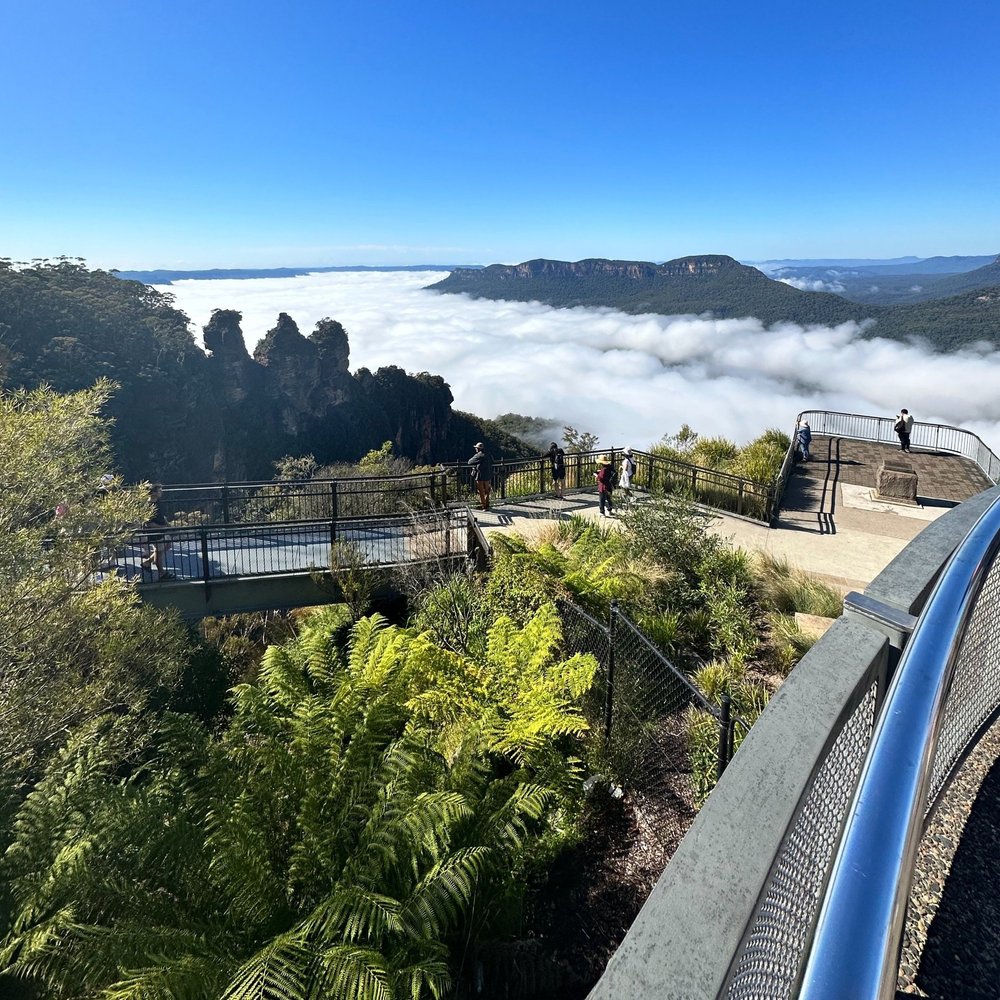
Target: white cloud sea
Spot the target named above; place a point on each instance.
(629, 379)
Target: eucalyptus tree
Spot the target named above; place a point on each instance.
(72, 645)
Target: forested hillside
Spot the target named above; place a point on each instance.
(713, 283)
(185, 415)
(727, 289)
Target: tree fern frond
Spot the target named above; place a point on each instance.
(281, 970)
(352, 973)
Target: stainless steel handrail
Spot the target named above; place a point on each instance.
(856, 943)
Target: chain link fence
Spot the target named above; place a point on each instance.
(650, 716)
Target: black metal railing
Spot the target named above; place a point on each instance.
(214, 552)
(275, 501)
(531, 478)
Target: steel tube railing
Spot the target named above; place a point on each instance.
(936, 437)
(857, 939)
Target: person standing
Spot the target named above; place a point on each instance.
(557, 459)
(626, 474)
(903, 427)
(482, 465)
(605, 485)
(803, 438)
(157, 539)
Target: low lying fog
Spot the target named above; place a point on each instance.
(629, 379)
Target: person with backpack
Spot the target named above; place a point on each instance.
(903, 427)
(626, 474)
(557, 460)
(605, 477)
(482, 466)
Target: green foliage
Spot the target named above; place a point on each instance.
(377, 462)
(578, 442)
(788, 642)
(788, 590)
(713, 453)
(359, 811)
(71, 647)
(749, 699)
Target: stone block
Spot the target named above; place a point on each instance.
(896, 482)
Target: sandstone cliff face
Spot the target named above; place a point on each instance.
(684, 267)
(296, 396)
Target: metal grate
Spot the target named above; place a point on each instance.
(975, 690)
(774, 948)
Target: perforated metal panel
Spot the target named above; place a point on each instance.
(975, 690)
(773, 950)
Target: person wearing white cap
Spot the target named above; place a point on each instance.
(626, 474)
(803, 438)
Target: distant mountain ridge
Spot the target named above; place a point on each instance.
(713, 283)
(967, 311)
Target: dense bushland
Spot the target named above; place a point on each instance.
(374, 809)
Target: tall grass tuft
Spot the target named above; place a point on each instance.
(788, 590)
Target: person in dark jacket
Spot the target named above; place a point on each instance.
(605, 477)
(482, 465)
(157, 539)
(803, 438)
(557, 459)
(903, 428)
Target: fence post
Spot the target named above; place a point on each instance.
(433, 478)
(503, 481)
(609, 687)
(739, 499)
(225, 503)
(444, 488)
(541, 475)
(205, 574)
(333, 511)
(725, 732)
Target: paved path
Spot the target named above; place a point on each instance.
(829, 524)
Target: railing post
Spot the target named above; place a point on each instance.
(725, 734)
(205, 572)
(225, 503)
(541, 475)
(433, 496)
(333, 512)
(609, 687)
(503, 482)
(739, 498)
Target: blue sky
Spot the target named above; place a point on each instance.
(231, 134)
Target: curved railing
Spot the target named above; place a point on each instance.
(935, 437)
(792, 881)
(946, 690)
(862, 427)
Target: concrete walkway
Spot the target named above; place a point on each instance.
(829, 525)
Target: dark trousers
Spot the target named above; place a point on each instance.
(904, 441)
(604, 497)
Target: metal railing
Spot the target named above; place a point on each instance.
(945, 692)
(801, 858)
(215, 552)
(528, 478)
(879, 430)
(643, 705)
(276, 501)
(934, 437)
